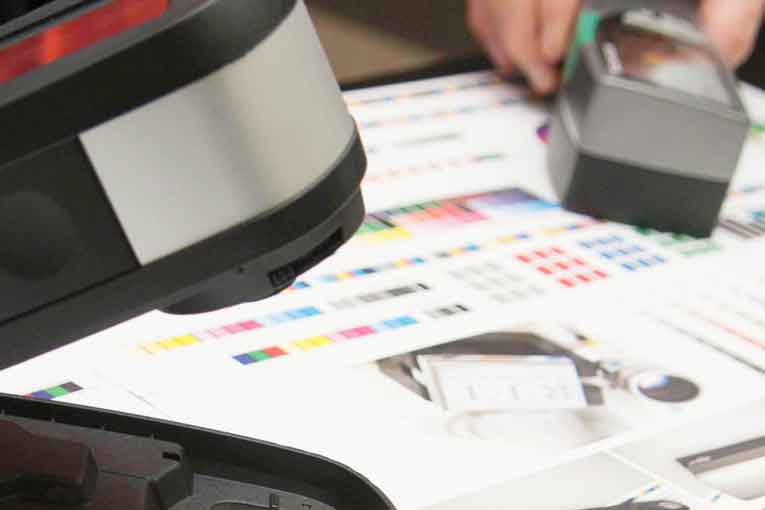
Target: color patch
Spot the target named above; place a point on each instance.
(680, 244)
(447, 311)
(325, 340)
(228, 330)
(568, 270)
(627, 255)
(56, 392)
(543, 132)
(497, 282)
(376, 297)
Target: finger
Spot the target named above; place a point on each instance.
(485, 29)
(499, 57)
(521, 37)
(732, 26)
(557, 20)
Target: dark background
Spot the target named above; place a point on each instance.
(368, 38)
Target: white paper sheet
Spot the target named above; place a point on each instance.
(463, 240)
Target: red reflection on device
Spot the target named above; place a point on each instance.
(75, 34)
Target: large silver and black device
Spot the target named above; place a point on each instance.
(182, 155)
(649, 125)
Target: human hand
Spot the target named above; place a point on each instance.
(532, 36)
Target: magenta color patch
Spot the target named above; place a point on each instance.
(543, 132)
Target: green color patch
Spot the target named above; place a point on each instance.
(586, 31)
(57, 392)
(259, 356)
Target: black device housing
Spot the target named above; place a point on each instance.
(628, 150)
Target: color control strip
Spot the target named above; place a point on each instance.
(707, 343)
(751, 340)
(629, 256)
(274, 319)
(447, 311)
(441, 114)
(345, 336)
(320, 341)
(376, 297)
(439, 216)
(458, 251)
(394, 174)
(56, 391)
(429, 92)
(568, 270)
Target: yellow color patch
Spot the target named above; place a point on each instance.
(187, 340)
(319, 341)
(170, 344)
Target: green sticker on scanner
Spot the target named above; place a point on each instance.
(586, 30)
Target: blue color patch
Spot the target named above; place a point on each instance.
(244, 359)
(42, 395)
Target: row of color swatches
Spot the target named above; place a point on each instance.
(458, 251)
(441, 114)
(438, 216)
(171, 344)
(319, 341)
(703, 340)
(726, 327)
(376, 297)
(56, 391)
(431, 92)
(681, 244)
(433, 167)
(628, 255)
(568, 270)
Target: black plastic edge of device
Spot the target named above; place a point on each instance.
(191, 40)
(647, 198)
(222, 455)
(263, 245)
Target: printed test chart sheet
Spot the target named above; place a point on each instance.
(474, 342)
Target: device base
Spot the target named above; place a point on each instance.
(153, 465)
